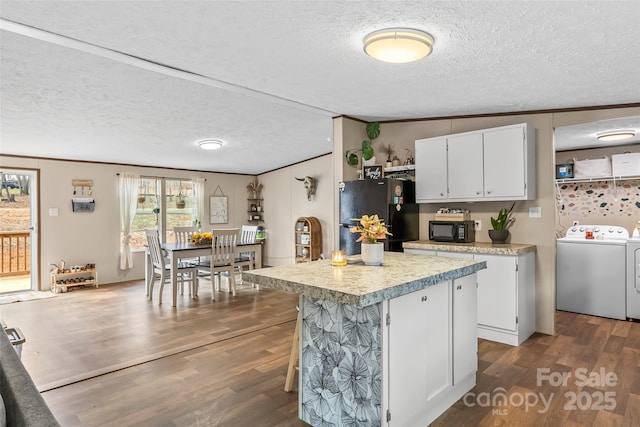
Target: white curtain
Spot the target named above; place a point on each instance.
(128, 196)
(198, 200)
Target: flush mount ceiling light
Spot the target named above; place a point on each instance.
(210, 144)
(398, 45)
(615, 135)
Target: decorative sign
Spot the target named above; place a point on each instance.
(218, 210)
(373, 172)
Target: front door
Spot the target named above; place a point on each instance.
(18, 230)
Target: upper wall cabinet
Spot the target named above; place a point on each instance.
(485, 165)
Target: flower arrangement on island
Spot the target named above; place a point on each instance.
(202, 238)
(371, 229)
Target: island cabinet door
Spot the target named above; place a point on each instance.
(419, 353)
(465, 330)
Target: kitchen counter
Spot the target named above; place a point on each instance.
(364, 330)
(487, 248)
(359, 285)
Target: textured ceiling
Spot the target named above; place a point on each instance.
(585, 135)
(79, 79)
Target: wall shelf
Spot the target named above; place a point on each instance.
(400, 168)
(257, 214)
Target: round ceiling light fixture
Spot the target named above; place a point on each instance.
(398, 45)
(615, 135)
(210, 144)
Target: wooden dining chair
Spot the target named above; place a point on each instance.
(184, 235)
(223, 254)
(246, 259)
(187, 272)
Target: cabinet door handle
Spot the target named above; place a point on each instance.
(478, 192)
(442, 194)
(459, 287)
(424, 298)
(489, 191)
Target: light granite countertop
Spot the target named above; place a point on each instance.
(360, 285)
(473, 247)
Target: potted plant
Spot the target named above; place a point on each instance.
(388, 150)
(371, 229)
(373, 131)
(501, 224)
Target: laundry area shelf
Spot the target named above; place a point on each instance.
(596, 179)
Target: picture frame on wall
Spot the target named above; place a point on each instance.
(218, 210)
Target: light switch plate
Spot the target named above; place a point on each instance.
(535, 212)
(53, 211)
(478, 224)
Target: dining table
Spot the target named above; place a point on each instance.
(177, 251)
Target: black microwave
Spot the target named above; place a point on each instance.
(452, 231)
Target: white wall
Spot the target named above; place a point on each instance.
(81, 238)
(285, 200)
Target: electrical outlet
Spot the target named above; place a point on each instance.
(478, 224)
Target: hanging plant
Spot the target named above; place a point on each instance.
(141, 193)
(180, 202)
(156, 211)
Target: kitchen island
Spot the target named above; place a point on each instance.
(392, 345)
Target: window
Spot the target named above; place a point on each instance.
(179, 206)
(163, 203)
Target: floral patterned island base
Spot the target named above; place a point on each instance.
(341, 366)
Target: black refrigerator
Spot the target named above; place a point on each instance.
(393, 200)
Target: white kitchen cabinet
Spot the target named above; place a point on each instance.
(465, 330)
(506, 295)
(432, 153)
(465, 177)
(494, 164)
(420, 326)
(434, 339)
(506, 162)
(497, 287)
(506, 298)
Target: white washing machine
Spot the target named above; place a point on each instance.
(633, 276)
(591, 271)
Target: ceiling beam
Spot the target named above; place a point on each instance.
(153, 66)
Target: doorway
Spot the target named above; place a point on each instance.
(18, 231)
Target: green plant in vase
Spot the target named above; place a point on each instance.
(373, 131)
(501, 224)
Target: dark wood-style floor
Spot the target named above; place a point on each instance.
(107, 357)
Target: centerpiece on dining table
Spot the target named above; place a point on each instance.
(201, 238)
(371, 229)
